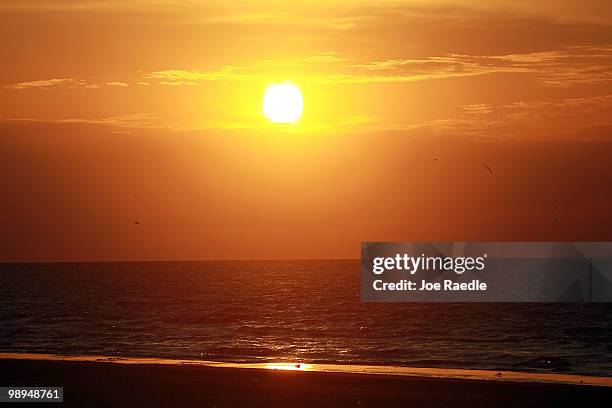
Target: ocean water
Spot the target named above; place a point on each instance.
(261, 311)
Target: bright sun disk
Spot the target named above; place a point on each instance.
(282, 103)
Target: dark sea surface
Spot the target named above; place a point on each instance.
(283, 311)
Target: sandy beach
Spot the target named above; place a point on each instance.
(97, 382)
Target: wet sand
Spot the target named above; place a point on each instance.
(100, 382)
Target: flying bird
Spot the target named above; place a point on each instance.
(488, 168)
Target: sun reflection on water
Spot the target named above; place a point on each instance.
(288, 366)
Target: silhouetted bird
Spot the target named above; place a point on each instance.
(488, 168)
(137, 222)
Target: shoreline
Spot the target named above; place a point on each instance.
(379, 370)
(90, 381)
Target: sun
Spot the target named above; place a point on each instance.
(282, 103)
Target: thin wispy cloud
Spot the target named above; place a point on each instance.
(601, 101)
(486, 122)
(557, 68)
(131, 121)
(117, 84)
(478, 109)
(64, 83)
(556, 120)
(319, 12)
(73, 83)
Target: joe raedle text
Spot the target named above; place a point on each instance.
(426, 286)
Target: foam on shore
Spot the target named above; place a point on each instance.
(449, 373)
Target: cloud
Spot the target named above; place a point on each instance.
(336, 124)
(212, 12)
(45, 83)
(244, 72)
(555, 68)
(478, 109)
(555, 119)
(566, 67)
(471, 126)
(190, 78)
(66, 83)
(602, 101)
(578, 119)
(133, 121)
(584, 118)
(558, 68)
(570, 114)
(343, 14)
(117, 84)
(72, 83)
(128, 122)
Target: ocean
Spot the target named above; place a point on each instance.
(283, 311)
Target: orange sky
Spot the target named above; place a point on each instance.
(119, 111)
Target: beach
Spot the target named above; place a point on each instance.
(95, 382)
